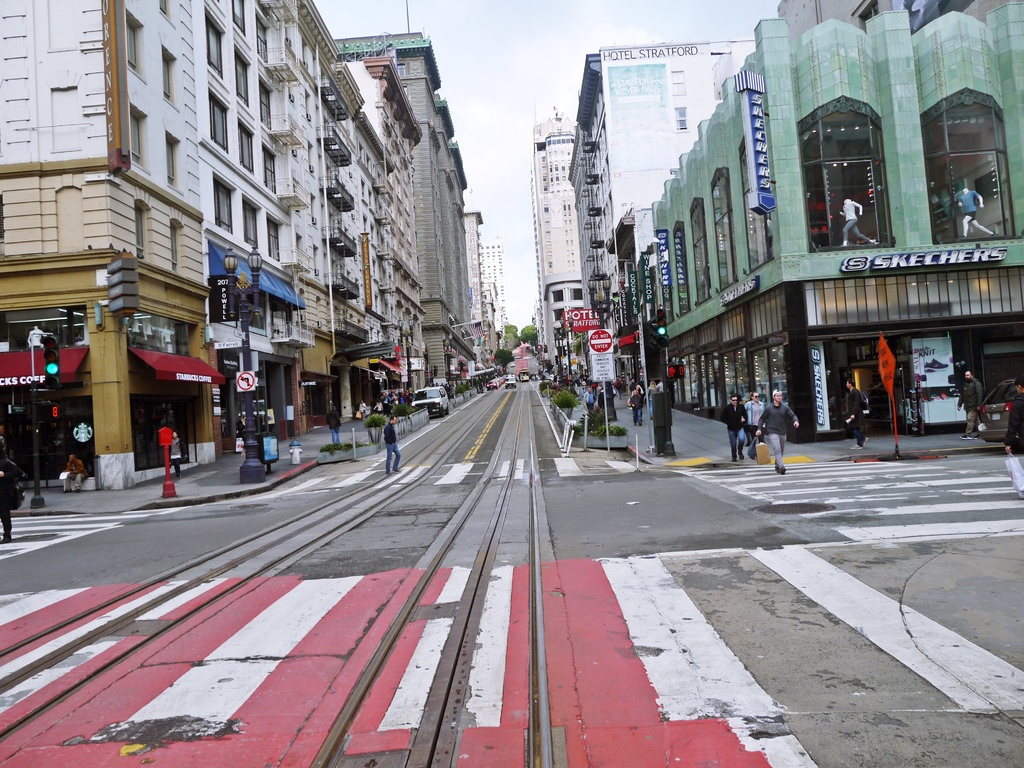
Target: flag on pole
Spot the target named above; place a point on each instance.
(477, 329)
(886, 364)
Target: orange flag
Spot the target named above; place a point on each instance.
(886, 364)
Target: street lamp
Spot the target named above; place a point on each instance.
(35, 341)
(406, 332)
(246, 296)
(447, 352)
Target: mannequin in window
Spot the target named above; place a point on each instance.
(969, 202)
(851, 210)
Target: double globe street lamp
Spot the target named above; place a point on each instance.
(246, 296)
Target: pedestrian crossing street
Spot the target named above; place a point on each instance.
(876, 489)
(639, 627)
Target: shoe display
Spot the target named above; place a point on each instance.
(935, 365)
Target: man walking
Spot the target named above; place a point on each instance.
(334, 424)
(734, 416)
(391, 445)
(855, 414)
(754, 408)
(1014, 439)
(774, 421)
(971, 395)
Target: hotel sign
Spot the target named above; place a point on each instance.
(751, 87)
(886, 262)
(367, 278)
(115, 87)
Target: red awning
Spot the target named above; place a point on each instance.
(394, 367)
(16, 367)
(179, 367)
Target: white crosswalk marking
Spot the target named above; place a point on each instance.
(487, 676)
(568, 468)
(520, 469)
(355, 478)
(621, 466)
(406, 709)
(58, 529)
(406, 476)
(456, 474)
(504, 470)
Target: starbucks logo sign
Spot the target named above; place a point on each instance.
(82, 432)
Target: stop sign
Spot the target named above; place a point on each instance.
(600, 341)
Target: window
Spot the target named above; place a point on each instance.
(242, 78)
(167, 66)
(214, 52)
(557, 296)
(163, 7)
(264, 105)
(273, 240)
(175, 235)
(269, 172)
(844, 178)
(238, 13)
(140, 231)
(760, 239)
(680, 118)
(218, 123)
(245, 147)
(133, 31)
(701, 265)
(135, 122)
(261, 40)
(249, 224)
(222, 205)
(678, 83)
(171, 145)
(965, 159)
(721, 204)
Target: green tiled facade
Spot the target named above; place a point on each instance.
(899, 78)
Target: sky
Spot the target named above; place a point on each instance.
(506, 66)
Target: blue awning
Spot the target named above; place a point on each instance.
(269, 282)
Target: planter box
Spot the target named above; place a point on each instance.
(362, 451)
(618, 442)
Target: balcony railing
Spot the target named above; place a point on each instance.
(344, 286)
(593, 178)
(283, 64)
(346, 331)
(340, 241)
(285, 10)
(589, 147)
(595, 210)
(292, 194)
(330, 94)
(287, 130)
(334, 147)
(296, 258)
(292, 334)
(340, 197)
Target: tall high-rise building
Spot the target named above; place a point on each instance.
(555, 225)
(492, 270)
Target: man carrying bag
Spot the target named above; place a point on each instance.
(1014, 439)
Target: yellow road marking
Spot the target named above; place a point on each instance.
(471, 454)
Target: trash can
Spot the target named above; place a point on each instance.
(663, 424)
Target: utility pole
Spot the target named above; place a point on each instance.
(35, 341)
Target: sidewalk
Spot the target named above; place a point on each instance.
(199, 483)
(700, 442)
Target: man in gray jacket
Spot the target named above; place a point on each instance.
(971, 396)
(774, 421)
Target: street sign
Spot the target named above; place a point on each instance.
(245, 381)
(230, 344)
(601, 341)
(602, 366)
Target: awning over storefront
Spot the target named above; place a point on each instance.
(483, 371)
(323, 378)
(179, 367)
(393, 367)
(16, 367)
(371, 349)
(269, 282)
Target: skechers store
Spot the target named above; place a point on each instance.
(890, 163)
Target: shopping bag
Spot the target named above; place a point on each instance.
(239, 445)
(1016, 474)
(764, 456)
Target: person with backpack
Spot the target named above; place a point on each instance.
(855, 414)
(10, 474)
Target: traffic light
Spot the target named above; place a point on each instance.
(675, 370)
(659, 329)
(51, 361)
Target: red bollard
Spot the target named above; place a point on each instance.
(165, 434)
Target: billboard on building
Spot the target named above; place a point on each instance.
(925, 11)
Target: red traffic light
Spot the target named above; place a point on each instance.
(675, 370)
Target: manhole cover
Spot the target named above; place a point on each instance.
(794, 509)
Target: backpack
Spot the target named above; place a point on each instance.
(864, 405)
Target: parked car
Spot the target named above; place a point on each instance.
(510, 381)
(994, 411)
(494, 383)
(434, 399)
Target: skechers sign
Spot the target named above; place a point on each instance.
(898, 261)
(750, 86)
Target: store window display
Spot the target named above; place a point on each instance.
(965, 156)
(721, 203)
(844, 176)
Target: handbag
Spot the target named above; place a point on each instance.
(19, 495)
(1016, 474)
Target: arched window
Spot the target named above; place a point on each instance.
(760, 240)
(844, 176)
(721, 203)
(701, 264)
(965, 155)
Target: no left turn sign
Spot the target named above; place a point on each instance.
(245, 381)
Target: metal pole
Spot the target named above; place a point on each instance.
(37, 500)
(251, 470)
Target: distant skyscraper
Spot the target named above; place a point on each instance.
(492, 270)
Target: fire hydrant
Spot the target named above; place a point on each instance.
(295, 449)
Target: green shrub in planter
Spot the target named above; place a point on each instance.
(616, 430)
(565, 399)
(402, 410)
(375, 421)
(341, 447)
(544, 387)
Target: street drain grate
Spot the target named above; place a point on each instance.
(793, 509)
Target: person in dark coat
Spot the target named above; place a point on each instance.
(391, 445)
(972, 394)
(334, 424)
(734, 416)
(10, 474)
(855, 414)
(1014, 439)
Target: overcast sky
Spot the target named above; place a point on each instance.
(508, 65)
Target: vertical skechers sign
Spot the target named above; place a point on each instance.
(760, 198)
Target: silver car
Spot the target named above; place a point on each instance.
(434, 399)
(994, 411)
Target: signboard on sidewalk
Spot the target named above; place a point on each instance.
(602, 366)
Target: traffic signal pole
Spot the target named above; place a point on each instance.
(35, 342)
